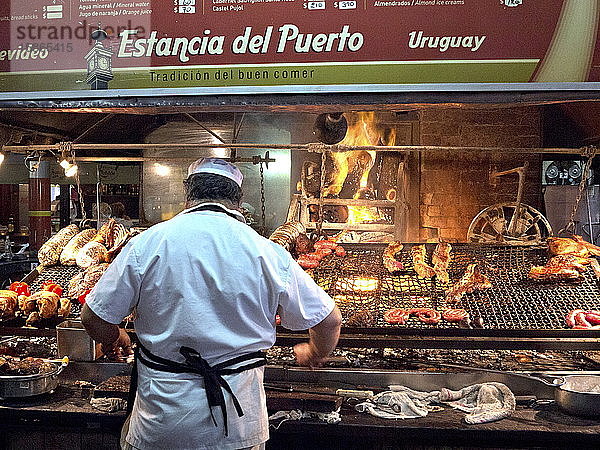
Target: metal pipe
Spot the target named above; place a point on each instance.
(314, 147)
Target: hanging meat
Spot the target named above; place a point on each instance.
(419, 253)
(441, 260)
(472, 280)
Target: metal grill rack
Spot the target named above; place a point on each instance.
(60, 275)
(514, 302)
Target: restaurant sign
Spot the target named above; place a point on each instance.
(246, 46)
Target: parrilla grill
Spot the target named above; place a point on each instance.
(359, 282)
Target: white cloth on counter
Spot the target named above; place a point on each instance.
(486, 402)
(332, 417)
(109, 404)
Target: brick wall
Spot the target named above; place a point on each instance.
(454, 187)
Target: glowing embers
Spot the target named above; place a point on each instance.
(355, 290)
(356, 285)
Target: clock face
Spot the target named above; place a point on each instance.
(91, 64)
(103, 63)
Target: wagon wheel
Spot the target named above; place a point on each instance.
(493, 224)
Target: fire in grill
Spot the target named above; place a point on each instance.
(358, 282)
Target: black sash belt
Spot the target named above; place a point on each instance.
(214, 383)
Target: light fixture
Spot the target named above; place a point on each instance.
(71, 170)
(162, 170)
(67, 159)
(1, 157)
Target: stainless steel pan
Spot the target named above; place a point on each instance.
(12, 386)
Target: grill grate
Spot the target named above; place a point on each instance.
(514, 301)
(60, 275)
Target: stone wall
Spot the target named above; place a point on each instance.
(455, 186)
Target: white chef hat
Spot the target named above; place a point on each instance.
(216, 166)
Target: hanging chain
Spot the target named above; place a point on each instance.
(262, 200)
(321, 189)
(589, 152)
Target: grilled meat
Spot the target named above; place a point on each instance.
(560, 267)
(363, 318)
(426, 315)
(572, 246)
(580, 319)
(65, 307)
(27, 366)
(441, 260)
(455, 315)
(472, 280)
(389, 257)
(8, 303)
(419, 253)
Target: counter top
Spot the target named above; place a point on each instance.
(542, 426)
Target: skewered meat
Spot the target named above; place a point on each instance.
(426, 315)
(472, 280)
(75, 289)
(396, 315)
(455, 315)
(105, 234)
(8, 303)
(287, 233)
(65, 307)
(92, 253)
(120, 236)
(389, 257)
(69, 254)
(441, 260)
(419, 253)
(92, 274)
(363, 318)
(49, 253)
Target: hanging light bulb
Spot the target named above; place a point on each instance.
(64, 163)
(71, 170)
(1, 157)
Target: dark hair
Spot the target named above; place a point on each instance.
(118, 210)
(208, 186)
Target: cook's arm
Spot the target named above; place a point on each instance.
(111, 336)
(323, 338)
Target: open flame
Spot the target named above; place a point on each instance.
(363, 130)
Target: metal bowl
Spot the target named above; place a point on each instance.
(12, 386)
(579, 395)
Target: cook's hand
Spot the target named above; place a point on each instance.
(307, 355)
(121, 348)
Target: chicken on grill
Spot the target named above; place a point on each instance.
(8, 303)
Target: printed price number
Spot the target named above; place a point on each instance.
(347, 4)
(314, 5)
(185, 2)
(185, 9)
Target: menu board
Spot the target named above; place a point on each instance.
(293, 45)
